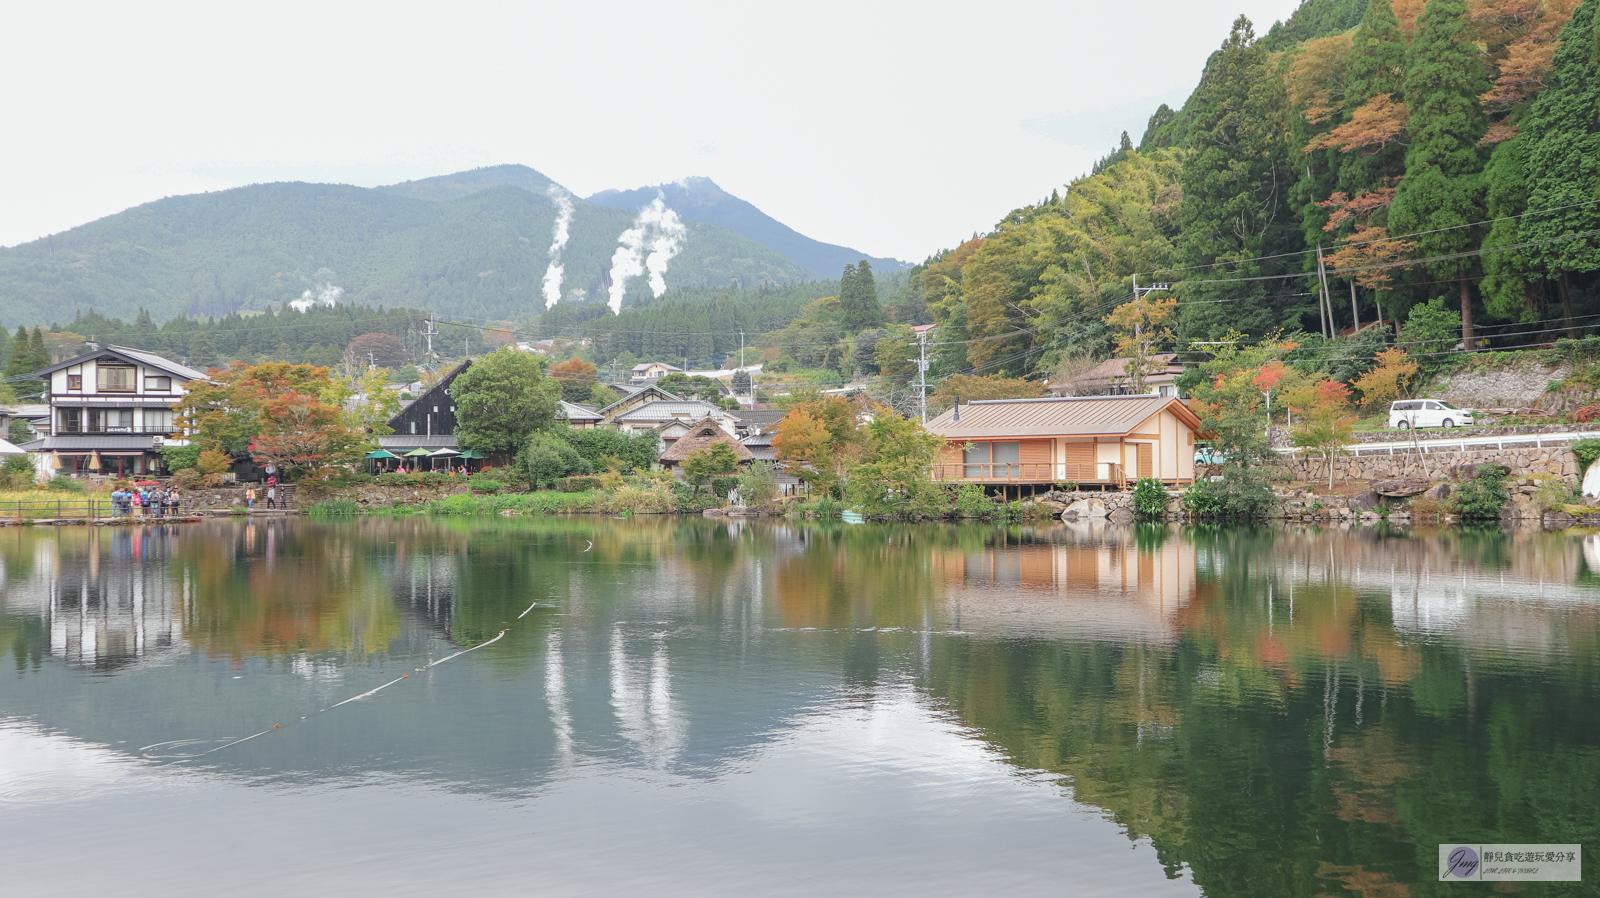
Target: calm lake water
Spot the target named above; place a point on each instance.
(687, 707)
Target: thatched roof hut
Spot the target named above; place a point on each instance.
(702, 433)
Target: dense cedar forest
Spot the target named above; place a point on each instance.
(1448, 150)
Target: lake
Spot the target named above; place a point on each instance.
(695, 707)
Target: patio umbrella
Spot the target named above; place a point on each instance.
(418, 453)
(472, 453)
(381, 453)
(94, 460)
(443, 452)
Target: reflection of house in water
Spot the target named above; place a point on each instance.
(1092, 581)
(102, 604)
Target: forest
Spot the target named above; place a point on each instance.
(1363, 158)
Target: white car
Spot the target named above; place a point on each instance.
(1408, 413)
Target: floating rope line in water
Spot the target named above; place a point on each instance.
(368, 694)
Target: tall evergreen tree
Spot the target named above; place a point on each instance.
(858, 299)
(38, 356)
(1235, 180)
(1442, 197)
(1562, 134)
(1377, 67)
(17, 354)
(1510, 280)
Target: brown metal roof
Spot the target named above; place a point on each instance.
(1068, 416)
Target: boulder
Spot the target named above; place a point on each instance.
(1084, 508)
(1365, 501)
(1121, 516)
(1438, 492)
(1462, 472)
(1400, 489)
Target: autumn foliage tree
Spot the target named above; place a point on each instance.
(1385, 382)
(816, 438)
(1140, 325)
(381, 350)
(223, 412)
(577, 378)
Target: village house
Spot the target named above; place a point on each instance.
(1104, 441)
(699, 435)
(425, 430)
(580, 417)
(646, 372)
(1111, 378)
(110, 412)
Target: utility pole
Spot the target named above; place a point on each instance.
(372, 361)
(1324, 305)
(1355, 310)
(428, 323)
(922, 374)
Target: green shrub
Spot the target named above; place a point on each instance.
(188, 479)
(179, 458)
(1149, 499)
(1587, 451)
(827, 507)
(1482, 497)
(636, 498)
(970, 502)
(484, 484)
(61, 483)
(1552, 495)
(1242, 495)
(758, 485)
(578, 484)
(721, 485)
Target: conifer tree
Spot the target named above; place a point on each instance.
(1562, 134)
(1442, 194)
(1509, 276)
(858, 299)
(1377, 67)
(1235, 179)
(18, 355)
(38, 356)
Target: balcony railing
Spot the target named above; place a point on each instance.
(97, 430)
(1030, 472)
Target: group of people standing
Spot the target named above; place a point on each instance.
(138, 501)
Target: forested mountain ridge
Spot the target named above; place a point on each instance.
(702, 200)
(1438, 151)
(470, 245)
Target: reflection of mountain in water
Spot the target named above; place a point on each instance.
(1277, 710)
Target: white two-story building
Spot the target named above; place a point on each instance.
(110, 412)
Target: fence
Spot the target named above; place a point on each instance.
(56, 509)
(1018, 472)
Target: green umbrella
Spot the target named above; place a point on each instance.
(418, 453)
(472, 453)
(381, 453)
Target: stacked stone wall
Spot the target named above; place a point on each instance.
(1521, 461)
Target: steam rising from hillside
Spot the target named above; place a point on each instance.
(553, 274)
(318, 295)
(663, 232)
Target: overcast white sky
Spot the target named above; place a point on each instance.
(895, 128)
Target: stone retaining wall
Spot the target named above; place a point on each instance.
(1529, 461)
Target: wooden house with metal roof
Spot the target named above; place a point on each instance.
(1106, 441)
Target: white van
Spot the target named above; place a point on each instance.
(1408, 413)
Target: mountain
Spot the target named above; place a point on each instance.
(473, 244)
(702, 200)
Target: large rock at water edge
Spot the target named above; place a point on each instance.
(1084, 508)
(1438, 492)
(1400, 489)
(1365, 501)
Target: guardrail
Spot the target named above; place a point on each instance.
(1537, 440)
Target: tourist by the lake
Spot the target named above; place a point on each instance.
(119, 502)
(250, 499)
(155, 502)
(272, 493)
(137, 501)
(173, 501)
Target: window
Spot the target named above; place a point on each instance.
(71, 420)
(115, 380)
(158, 384)
(986, 460)
(111, 420)
(74, 381)
(158, 420)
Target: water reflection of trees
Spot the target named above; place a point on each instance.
(1282, 711)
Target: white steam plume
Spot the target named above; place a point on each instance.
(553, 274)
(663, 232)
(320, 295)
